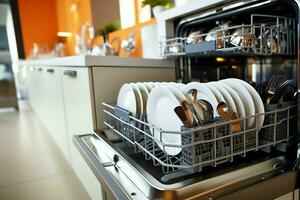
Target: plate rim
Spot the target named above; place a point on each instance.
(128, 87)
(245, 99)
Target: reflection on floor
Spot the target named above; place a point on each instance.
(31, 166)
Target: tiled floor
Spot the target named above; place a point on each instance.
(31, 166)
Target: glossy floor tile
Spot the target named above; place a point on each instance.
(60, 187)
(31, 166)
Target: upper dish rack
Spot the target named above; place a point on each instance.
(276, 37)
(208, 145)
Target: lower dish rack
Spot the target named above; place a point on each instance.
(207, 145)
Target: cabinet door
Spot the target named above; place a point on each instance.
(39, 87)
(30, 85)
(54, 110)
(34, 88)
(78, 99)
(46, 98)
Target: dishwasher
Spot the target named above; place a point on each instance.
(250, 40)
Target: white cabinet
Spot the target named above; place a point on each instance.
(30, 85)
(34, 88)
(68, 102)
(78, 99)
(54, 108)
(46, 98)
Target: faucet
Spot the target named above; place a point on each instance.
(86, 48)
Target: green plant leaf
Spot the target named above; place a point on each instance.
(154, 3)
(108, 28)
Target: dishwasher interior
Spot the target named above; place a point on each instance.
(253, 43)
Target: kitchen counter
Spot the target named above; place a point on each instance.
(82, 60)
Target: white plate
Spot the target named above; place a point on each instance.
(144, 93)
(160, 113)
(157, 84)
(148, 86)
(226, 95)
(126, 99)
(179, 86)
(178, 94)
(216, 92)
(139, 100)
(245, 97)
(203, 93)
(237, 101)
(259, 105)
(152, 84)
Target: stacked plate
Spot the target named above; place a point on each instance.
(133, 97)
(158, 101)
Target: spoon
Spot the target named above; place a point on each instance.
(182, 116)
(227, 114)
(191, 95)
(188, 113)
(203, 110)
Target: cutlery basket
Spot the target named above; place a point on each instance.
(217, 145)
(208, 145)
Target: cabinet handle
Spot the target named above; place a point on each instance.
(50, 70)
(70, 73)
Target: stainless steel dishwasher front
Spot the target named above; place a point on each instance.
(122, 177)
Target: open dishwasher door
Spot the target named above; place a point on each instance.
(128, 172)
(124, 174)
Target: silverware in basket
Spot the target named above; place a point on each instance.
(188, 113)
(182, 116)
(227, 114)
(194, 37)
(201, 108)
(242, 37)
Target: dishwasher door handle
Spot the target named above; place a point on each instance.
(70, 73)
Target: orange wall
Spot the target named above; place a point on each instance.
(41, 20)
(38, 23)
(70, 20)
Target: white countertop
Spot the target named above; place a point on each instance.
(86, 61)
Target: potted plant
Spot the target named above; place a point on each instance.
(108, 28)
(158, 6)
(106, 48)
